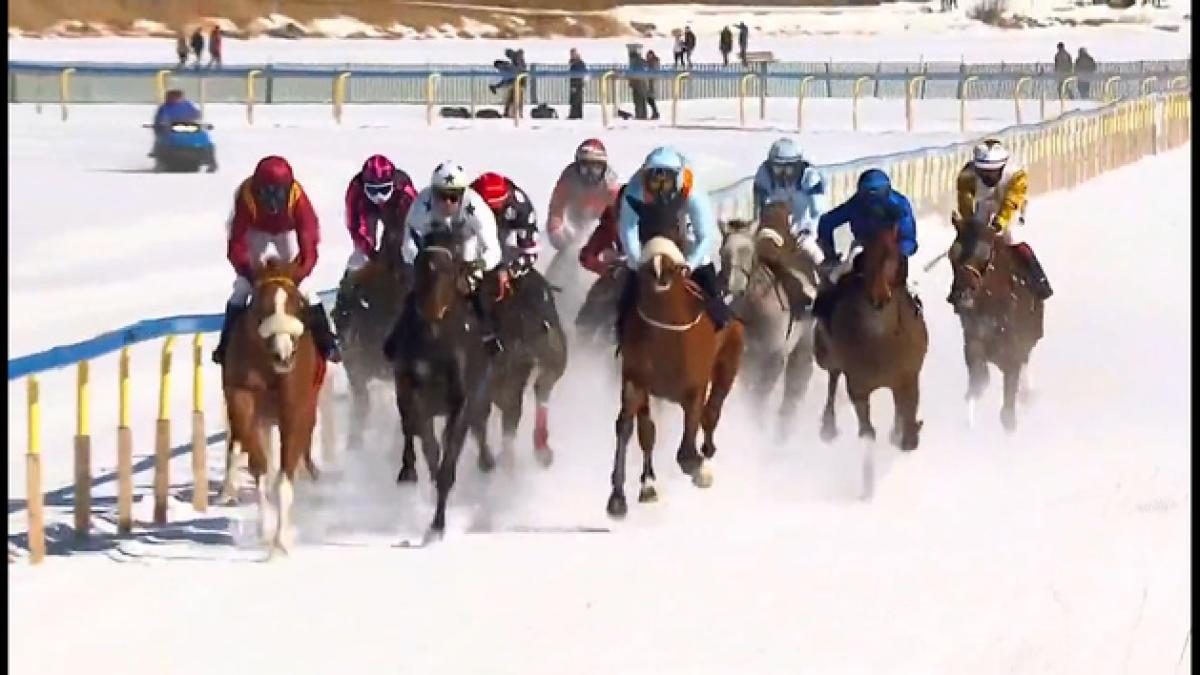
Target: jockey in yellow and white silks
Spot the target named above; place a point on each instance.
(992, 188)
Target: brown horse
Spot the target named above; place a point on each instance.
(1002, 318)
(272, 376)
(670, 349)
(877, 338)
(769, 275)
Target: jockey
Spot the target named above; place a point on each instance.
(585, 187)
(517, 231)
(602, 252)
(787, 176)
(271, 213)
(449, 202)
(992, 188)
(662, 176)
(378, 194)
(873, 206)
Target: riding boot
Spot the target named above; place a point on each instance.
(487, 323)
(798, 301)
(341, 306)
(1036, 275)
(625, 303)
(705, 277)
(232, 313)
(911, 286)
(318, 323)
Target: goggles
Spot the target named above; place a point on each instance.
(592, 172)
(450, 196)
(378, 192)
(660, 181)
(273, 197)
(785, 173)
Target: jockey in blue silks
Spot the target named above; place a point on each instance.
(873, 206)
(662, 177)
(787, 176)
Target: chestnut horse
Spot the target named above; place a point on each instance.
(877, 338)
(768, 273)
(441, 368)
(1001, 317)
(670, 349)
(271, 377)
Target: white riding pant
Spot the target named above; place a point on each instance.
(265, 245)
(1015, 232)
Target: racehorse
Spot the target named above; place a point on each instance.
(272, 376)
(441, 367)
(1002, 318)
(767, 274)
(670, 349)
(877, 338)
(533, 337)
(381, 287)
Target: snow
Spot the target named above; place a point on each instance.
(1062, 548)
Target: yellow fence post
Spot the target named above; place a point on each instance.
(605, 92)
(804, 82)
(199, 442)
(1111, 83)
(962, 102)
(1148, 83)
(1062, 92)
(518, 99)
(124, 450)
(743, 86)
(160, 84)
(1017, 95)
(83, 453)
(64, 90)
(676, 93)
(430, 96)
(339, 95)
(162, 435)
(1177, 82)
(910, 93)
(854, 103)
(250, 95)
(33, 474)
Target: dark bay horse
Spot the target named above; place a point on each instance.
(271, 377)
(1002, 318)
(380, 289)
(670, 349)
(768, 274)
(877, 338)
(441, 367)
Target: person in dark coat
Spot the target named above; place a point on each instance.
(689, 44)
(653, 64)
(743, 40)
(181, 49)
(726, 44)
(198, 45)
(578, 72)
(1085, 68)
(214, 47)
(1063, 69)
(637, 83)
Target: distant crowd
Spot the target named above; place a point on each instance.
(195, 46)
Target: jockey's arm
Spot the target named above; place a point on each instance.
(831, 221)
(484, 224)
(817, 203)
(1014, 199)
(602, 238)
(416, 224)
(965, 189)
(357, 220)
(237, 249)
(554, 213)
(760, 189)
(704, 224)
(308, 235)
(627, 225)
(907, 225)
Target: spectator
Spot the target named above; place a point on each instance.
(198, 45)
(689, 44)
(743, 40)
(1062, 69)
(515, 65)
(181, 49)
(653, 64)
(1085, 68)
(637, 84)
(214, 47)
(679, 47)
(578, 72)
(726, 44)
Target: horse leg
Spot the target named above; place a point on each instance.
(1008, 413)
(690, 461)
(360, 408)
(907, 430)
(829, 417)
(295, 441)
(479, 420)
(455, 435)
(633, 398)
(550, 370)
(862, 408)
(646, 433)
(974, 352)
(408, 458)
(795, 380)
(1025, 390)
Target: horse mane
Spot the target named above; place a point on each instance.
(662, 246)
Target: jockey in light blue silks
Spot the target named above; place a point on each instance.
(664, 175)
(787, 176)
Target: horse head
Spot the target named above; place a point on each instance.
(972, 256)
(880, 260)
(276, 309)
(738, 254)
(662, 264)
(438, 274)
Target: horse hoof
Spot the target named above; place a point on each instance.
(487, 463)
(648, 494)
(702, 477)
(867, 433)
(828, 432)
(909, 443)
(1008, 418)
(408, 474)
(617, 508)
(544, 456)
(709, 450)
